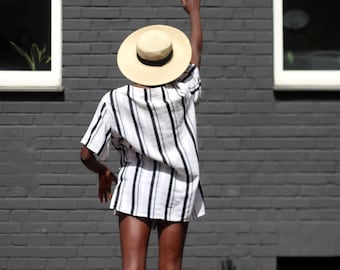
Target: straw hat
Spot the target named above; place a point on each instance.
(154, 55)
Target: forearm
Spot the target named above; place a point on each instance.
(192, 7)
(90, 162)
(196, 36)
(106, 177)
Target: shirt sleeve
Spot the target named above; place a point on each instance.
(191, 81)
(97, 137)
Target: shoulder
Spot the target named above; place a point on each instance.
(188, 84)
(190, 79)
(114, 93)
(191, 73)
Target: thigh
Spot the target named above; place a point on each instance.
(134, 239)
(171, 244)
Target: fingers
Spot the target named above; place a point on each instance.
(104, 187)
(104, 194)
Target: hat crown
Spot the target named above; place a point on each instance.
(154, 45)
(154, 58)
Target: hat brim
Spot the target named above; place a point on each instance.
(140, 73)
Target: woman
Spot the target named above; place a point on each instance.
(152, 124)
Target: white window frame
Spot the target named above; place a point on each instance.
(40, 80)
(296, 79)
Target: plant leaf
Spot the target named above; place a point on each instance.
(27, 57)
(35, 53)
(48, 60)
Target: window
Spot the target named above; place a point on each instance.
(308, 263)
(30, 45)
(306, 44)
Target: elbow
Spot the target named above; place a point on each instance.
(85, 155)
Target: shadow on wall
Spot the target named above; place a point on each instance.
(228, 264)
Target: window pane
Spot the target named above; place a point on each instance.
(25, 34)
(311, 34)
(308, 263)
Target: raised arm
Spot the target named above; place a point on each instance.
(192, 7)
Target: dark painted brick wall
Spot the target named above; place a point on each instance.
(269, 161)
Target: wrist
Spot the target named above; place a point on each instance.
(194, 13)
(103, 170)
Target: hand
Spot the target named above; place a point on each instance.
(191, 5)
(105, 183)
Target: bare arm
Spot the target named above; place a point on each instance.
(192, 7)
(106, 177)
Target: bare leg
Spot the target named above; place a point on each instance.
(134, 239)
(171, 243)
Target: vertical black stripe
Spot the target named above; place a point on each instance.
(188, 72)
(180, 153)
(151, 187)
(97, 123)
(115, 113)
(104, 144)
(135, 121)
(169, 194)
(154, 126)
(201, 190)
(118, 195)
(133, 203)
(188, 127)
(120, 182)
(193, 138)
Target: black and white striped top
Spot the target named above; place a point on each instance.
(154, 129)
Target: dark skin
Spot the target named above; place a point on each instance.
(134, 231)
(105, 176)
(192, 7)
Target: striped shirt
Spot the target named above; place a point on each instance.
(154, 129)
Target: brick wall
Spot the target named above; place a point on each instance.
(269, 161)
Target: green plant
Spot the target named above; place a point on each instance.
(290, 57)
(36, 58)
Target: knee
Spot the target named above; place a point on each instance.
(133, 265)
(170, 262)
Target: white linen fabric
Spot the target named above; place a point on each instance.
(154, 129)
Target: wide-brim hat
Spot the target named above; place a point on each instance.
(154, 55)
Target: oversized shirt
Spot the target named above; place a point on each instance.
(154, 129)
